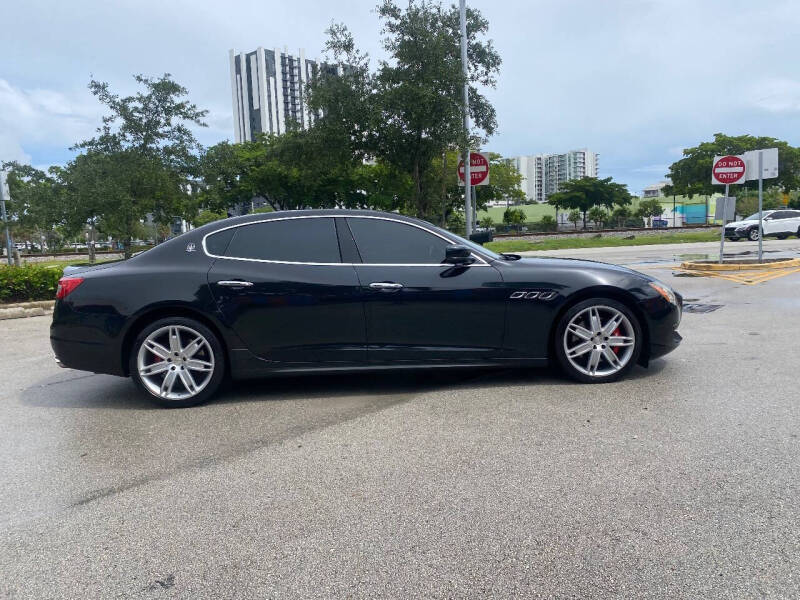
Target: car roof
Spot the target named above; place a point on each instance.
(283, 214)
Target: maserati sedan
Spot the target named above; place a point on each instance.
(336, 290)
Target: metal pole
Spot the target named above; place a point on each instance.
(722, 235)
(5, 217)
(467, 175)
(760, 203)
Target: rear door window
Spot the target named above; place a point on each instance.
(303, 240)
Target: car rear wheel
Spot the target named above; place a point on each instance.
(179, 362)
(598, 340)
(752, 235)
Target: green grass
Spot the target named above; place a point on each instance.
(603, 242)
(533, 212)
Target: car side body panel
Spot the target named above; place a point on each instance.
(304, 317)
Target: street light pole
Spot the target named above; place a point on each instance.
(5, 216)
(467, 175)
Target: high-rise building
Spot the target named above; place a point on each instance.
(267, 90)
(543, 174)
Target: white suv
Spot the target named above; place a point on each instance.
(777, 223)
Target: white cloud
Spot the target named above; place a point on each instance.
(43, 118)
(776, 95)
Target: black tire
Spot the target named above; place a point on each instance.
(217, 374)
(783, 236)
(798, 232)
(752, 235)
(560, 351)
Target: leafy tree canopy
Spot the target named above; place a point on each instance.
(587, 192)
(691, 175)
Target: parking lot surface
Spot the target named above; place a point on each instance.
(680, 482)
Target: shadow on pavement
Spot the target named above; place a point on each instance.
(103, 391)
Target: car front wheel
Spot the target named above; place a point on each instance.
(752, 235)
(598, 340)
(179, 362)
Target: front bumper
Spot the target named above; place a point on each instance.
(663, 319)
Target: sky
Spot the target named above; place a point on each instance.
(633, 80)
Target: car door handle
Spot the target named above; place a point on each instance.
(386, 286)
(235, 283)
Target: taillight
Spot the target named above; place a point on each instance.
(66, 285)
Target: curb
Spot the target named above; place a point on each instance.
(777, 263)
(21, 310)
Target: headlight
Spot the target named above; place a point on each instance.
(662, 289)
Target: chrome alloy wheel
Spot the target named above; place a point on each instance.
(599, 341)
(175, 362)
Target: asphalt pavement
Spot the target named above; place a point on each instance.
(680, 482)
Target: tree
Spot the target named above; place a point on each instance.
(487, 222)
(409, 112)
(587, 192)
(514, 217)
(148, 153)
(648, 209)
(37, 206)
(620, 215)
(597, 215)
(504, 183)
(204, 217)
(573, 217)
(691, 175)
(548, 223)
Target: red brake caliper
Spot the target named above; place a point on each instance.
(615, 348)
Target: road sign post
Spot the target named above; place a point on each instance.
(3, 194)
(462, 14)
(727, 170)
(761, 164)
(760, 206)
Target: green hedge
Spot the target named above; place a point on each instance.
(28, 282)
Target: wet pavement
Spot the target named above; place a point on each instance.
(676, 253)
(681, 481)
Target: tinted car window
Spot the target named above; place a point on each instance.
(310, 240)
(390, 242)
(781, 214)
(216, 243)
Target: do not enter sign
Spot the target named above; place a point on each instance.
(478, 169)
(728, 169)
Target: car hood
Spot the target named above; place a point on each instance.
(741, 223)
(579, 265)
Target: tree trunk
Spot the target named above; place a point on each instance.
(444, 189)
(417, 198)
(126, 247)
(91, 248)
(584, 220)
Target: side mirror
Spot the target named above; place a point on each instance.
(457, 254)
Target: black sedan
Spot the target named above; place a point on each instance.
(336, 290)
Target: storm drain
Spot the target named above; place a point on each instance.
(700, 308)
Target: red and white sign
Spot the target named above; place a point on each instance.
(478, 169)
(728, 169)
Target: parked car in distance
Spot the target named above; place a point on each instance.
(335, 290)
(776, 223)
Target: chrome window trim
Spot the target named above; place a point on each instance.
(483, 262)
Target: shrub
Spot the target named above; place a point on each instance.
(28, 282)
(547, 223)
